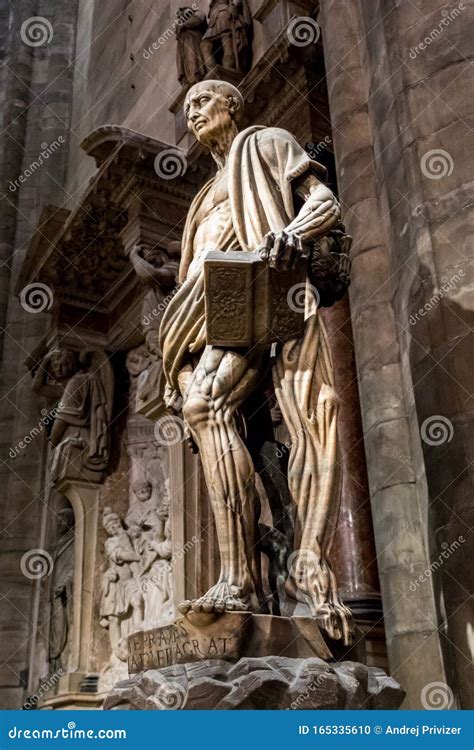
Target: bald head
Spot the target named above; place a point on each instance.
(213, 109)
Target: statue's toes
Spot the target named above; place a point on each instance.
(207, 605)
(219, 606)
(184, 607)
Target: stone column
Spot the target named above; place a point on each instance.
(354, 557)
(423, 120)
(398, 496)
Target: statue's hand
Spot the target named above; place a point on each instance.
(282, 250)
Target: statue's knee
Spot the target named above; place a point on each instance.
(196, 411)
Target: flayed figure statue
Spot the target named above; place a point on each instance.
(267, 196)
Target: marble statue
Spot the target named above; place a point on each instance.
(190, 27)
(61, 591)
(83, 387)
(267, 197)
(121, 607)
(228, 38)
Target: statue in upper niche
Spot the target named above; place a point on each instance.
(228, 39)
(82, 386)
(190, 27)
(157, 271)
(262, 216)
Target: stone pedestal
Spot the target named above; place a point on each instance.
(245, 661)
(265, 682)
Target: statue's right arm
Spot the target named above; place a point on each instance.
(40, 383)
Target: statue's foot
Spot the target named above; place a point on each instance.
(336, 619)
(221, 598)
(332, 616)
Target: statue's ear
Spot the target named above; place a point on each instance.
(233, 105)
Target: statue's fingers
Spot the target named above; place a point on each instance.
(302, 249)
(278, 249)
(289, 253)
(267, 246)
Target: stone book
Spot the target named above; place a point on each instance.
(249, 303)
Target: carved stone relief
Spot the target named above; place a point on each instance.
(82, 386)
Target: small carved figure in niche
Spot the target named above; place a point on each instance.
(61, 592)
(79, 433)
(121, 608)
(142, 517)
(191, 25)
(138, 360)
(228, 39)
(155, 269)
(159, 606)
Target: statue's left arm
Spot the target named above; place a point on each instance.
(318, 214)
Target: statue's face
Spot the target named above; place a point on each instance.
(113, 527)
(63, 364)
(143, 492)
(207, 113)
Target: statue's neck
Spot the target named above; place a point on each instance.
(220, 148)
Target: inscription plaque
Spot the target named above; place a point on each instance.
(182, 642)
